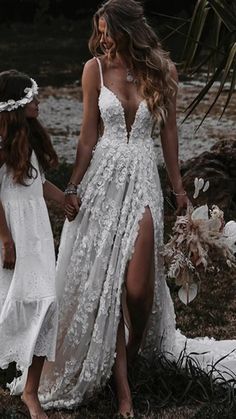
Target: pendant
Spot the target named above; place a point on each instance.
(129, 77)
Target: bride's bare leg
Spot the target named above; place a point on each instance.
(139, 283)
(30, 393)
(120, 374)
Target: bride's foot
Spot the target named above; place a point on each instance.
(125, 409)
(32, 403)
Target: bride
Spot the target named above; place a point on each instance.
(109, 259)
(114, 300)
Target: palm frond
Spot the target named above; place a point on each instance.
(202, 94)
(195, 31)
(225, 13)
(223, 68)
(219, 49)
(231, 90)
(173, 31)
(215, 40)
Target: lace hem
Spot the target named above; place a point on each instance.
(29, 328)
(22, 364)
(16, 386)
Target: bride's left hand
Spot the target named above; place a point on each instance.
(182, 202)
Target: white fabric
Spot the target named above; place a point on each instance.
(121, 181)
(28, 303)
(208, 351)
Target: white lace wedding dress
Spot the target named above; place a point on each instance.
(28, 303)
(121, 181)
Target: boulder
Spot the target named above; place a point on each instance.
(219, 167)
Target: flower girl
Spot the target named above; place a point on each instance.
(28, 304)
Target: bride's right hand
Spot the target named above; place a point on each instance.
(72, 204)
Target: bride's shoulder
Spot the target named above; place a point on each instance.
(93, 63)
(93, 69)
(91, 74)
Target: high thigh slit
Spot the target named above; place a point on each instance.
(139, 282)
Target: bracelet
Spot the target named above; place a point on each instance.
(70, 192)
(179, 194)
(71, 189)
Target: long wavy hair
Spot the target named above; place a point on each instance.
(127, 25)
(22, 135)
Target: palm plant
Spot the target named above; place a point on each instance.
(212, 39)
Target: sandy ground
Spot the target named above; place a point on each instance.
(61, 112)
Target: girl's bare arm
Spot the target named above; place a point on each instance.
(52, 192)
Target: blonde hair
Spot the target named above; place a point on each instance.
(150, 63)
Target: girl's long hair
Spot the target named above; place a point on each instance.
(150, 63)
(22, 135)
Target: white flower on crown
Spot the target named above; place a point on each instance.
(11, 104)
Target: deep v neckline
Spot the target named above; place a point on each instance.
(128, 132)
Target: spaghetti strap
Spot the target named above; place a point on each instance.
(100, 70)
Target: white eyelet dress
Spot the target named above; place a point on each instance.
(28, 303)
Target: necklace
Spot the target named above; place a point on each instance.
(130, 77)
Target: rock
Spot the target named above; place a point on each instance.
(226, 152)
(219, 167)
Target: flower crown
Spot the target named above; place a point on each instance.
(11, 104)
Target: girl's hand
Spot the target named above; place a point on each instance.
(72, 204)
(8, 254)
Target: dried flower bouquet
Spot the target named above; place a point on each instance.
(196, 236)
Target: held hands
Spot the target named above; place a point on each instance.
(72, 204)
(72, 201)
(8, 254)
